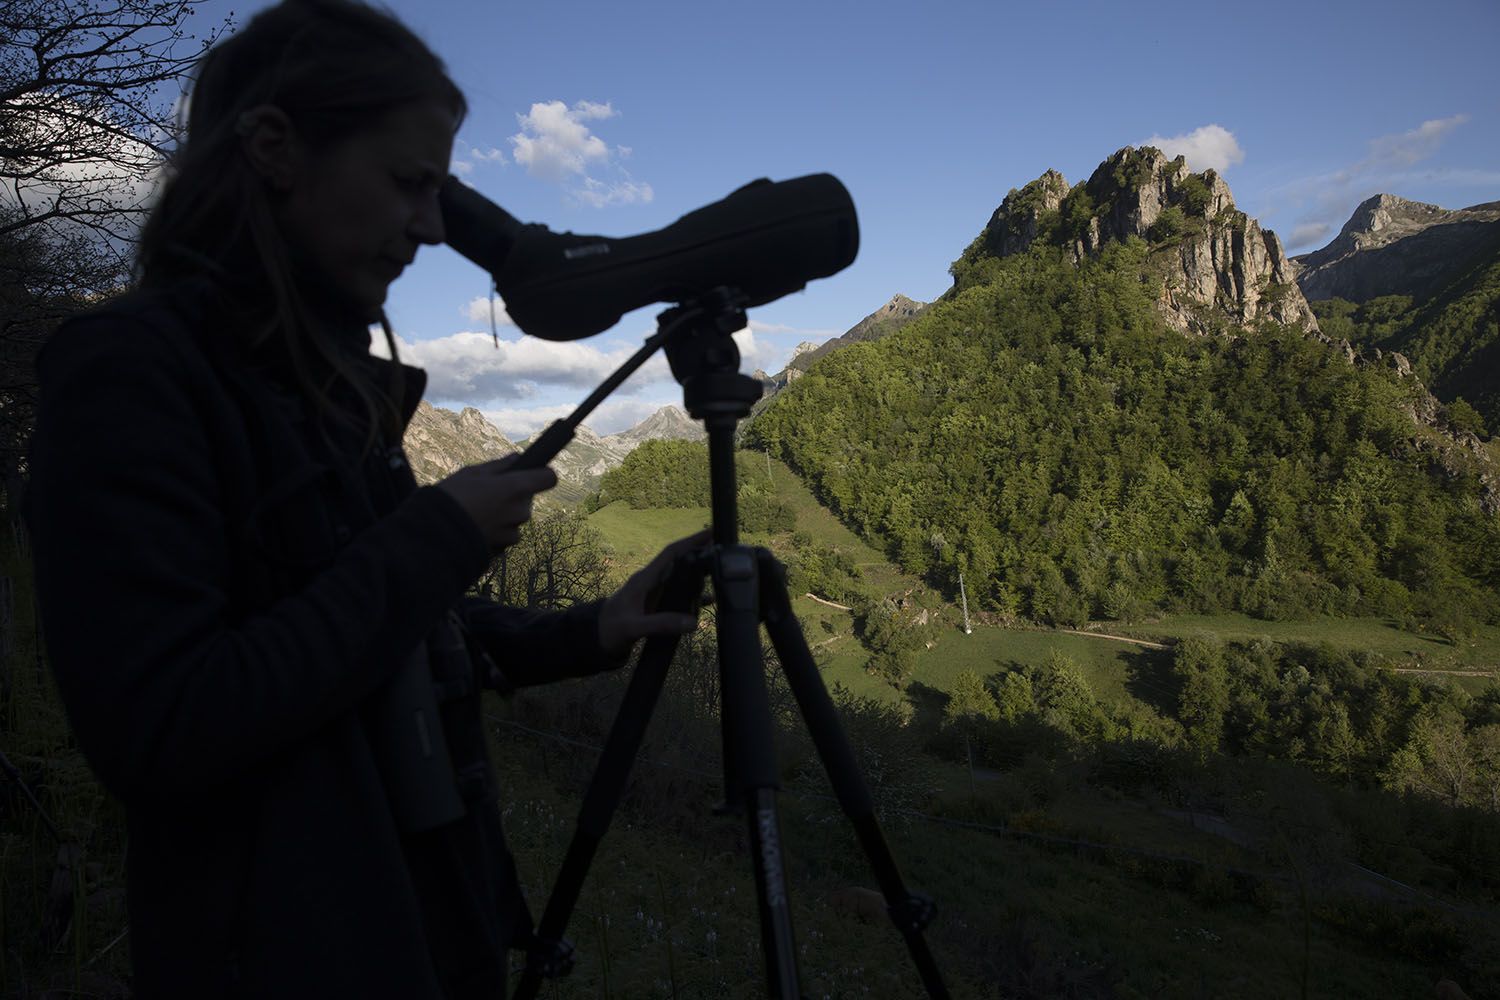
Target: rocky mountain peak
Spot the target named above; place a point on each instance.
(1017, 223)
(670, 423)
(890, 317)
(897, 308)
(440, 442)
(1219, 265)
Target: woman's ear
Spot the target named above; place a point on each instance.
(271, 144)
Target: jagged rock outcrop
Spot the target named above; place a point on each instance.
(1218, 266)
(1392, 246)
(440, 442)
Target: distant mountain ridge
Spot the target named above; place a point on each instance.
(881, 323)
(1418, 285)
(884, 321)
(1392, 246)
(439, 442)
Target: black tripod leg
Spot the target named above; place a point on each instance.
(751, 757)
(910, 912)
(550, 955)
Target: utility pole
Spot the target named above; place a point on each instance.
(965, 597)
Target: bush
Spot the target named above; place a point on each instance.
(1169, 225)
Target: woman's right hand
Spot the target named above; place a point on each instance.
(498, 497)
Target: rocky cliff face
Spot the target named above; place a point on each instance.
(1391, 246)
(1218, 266)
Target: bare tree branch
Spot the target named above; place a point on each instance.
(87, 92)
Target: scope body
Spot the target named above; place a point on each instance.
(765, 240)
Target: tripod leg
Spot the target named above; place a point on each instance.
(750, 757)
(549, 954)
(910, 912)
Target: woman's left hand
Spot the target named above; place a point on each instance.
(630, 613)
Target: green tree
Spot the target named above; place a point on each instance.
(1015, 699)
(1484, 742)
(1066, 701)
(969, 699)
(1464, 418)
(1437, 759)
(1203, 698)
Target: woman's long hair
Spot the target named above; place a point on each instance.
(335, 67)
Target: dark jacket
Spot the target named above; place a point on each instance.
(219, 606)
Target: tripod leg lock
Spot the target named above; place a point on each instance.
(914, 915)
(550, 959)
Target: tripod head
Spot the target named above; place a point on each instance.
(705, 360)
(700, 348)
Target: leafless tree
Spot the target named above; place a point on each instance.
(559, 561)
(88, 97)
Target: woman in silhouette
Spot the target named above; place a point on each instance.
(257, 620)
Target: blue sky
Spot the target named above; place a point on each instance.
(618, 117)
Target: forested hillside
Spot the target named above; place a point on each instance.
(1452, 337)
(674, 473)
(1043, 431)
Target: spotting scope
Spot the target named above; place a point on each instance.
(765, 240)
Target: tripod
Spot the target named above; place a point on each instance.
(749, 588)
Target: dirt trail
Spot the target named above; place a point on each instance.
(1455, 673)
(1116, 638)
(820, 600)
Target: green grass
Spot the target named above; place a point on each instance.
(1110, 667)
(1380, 637)
(635, 536)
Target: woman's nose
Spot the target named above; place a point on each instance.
(427, 222)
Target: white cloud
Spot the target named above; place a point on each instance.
(469, 367)
(756, 353)
(592, 110)
(557, 145)
(598, 194)
(612, 416)
(1209, 147)
(519, 423)
(479, 311)
(1309, 234)
(468, 157)
(1325, 201)
(1413, 146)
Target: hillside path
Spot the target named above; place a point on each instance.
(1455, 673)
(820, 600)
(1116, 638)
